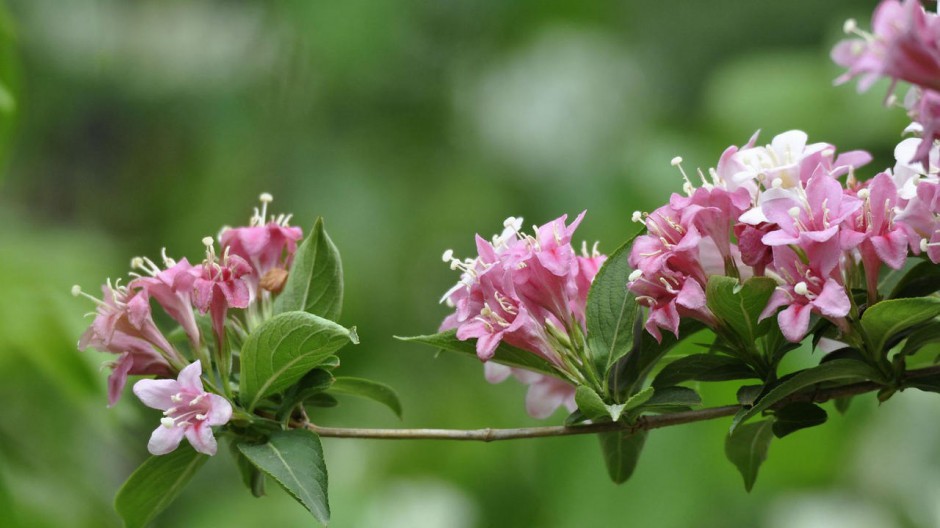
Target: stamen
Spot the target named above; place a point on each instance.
(636, 274)
(168, 422)
(176, 398)
(77, 292)
(638, 217)
(265, 198)
(850, 26)
(687, 186)
(200, 417)
(864, 194)
(777, 183)
(801, 289)
(794, 212)
(448, 255)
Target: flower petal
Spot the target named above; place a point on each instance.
(165, 439)
(220, 411)
(200, 437)
(190, 376)
(156, 394)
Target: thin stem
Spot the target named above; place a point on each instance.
(644, 423)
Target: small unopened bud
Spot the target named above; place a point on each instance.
(274, 280)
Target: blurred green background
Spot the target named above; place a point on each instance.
(410, 125)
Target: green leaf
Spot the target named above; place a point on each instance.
(621, 451)
(837, 369)
(887, 319)
(294, 459)
(315, 283)
(703, 367)
(7, 102)
(738, 306)
(252, 477)
(923, 336)
(671, 397)
(505, 354)
(639, 398)
(631, 371)
(611, 310)
(155, 484)
(372, 390)
(281, 350)
(923, 279)
(590, 403)
(747, 449)
(796, 416)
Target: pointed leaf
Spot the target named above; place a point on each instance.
(621, 452)
(747, 449)
(372, 390)
(703, 367)
(738, 306)
(922, 279)
(923, 336)
(631, 371)
(281, 350)
(838, 369)
(315, 283)
(589, 403)
(295, 460)
(505, 354)
(796, 416)
(667, 397)
(887, 319)
(611, 310)
(155, 484)
(639, 398)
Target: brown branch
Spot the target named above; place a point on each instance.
(644, 423)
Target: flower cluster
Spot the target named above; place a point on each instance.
(254, 262)
(530, 292)
(904, 46)
(782, 211)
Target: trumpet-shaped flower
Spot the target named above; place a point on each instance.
(124, 326)
(188, 410)
(173, 290)
(221, 286)
(267, 245)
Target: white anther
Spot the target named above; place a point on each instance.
(777, 183)
(208, 241)
(509, 222)
(864, 194)
(266, 198)
(170, 411)
(800, 288)
(635, 275)
(176, 398)
(923, 244)
(76, 290)
(168, 422)
(637, 216)
(200, 417)
(829, 152)
(676, 161)
(137, 263)
(448, 255)
(849, 26)
(794, 212)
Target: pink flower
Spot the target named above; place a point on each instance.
(905, 46)
(545, 395)
(527, 291)
(124, 326)
(920, 220)
(924, 108)
(812, 214)
(188, 410)
(173, 290)
(807, 288)
(873, 230)
(266, 245)
(221, 286)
